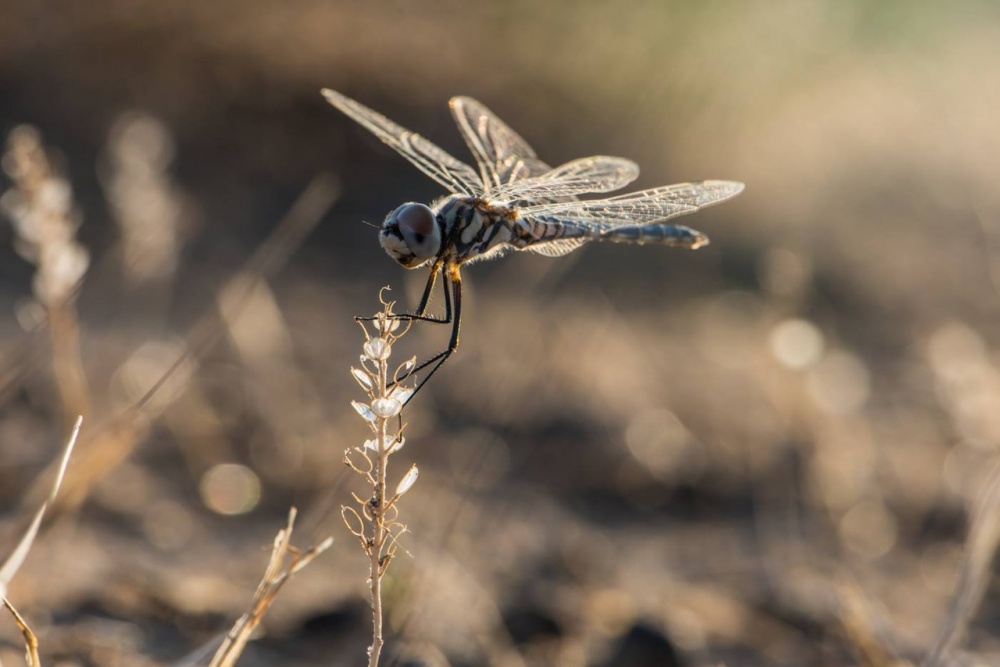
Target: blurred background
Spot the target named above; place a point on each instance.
(764, 452)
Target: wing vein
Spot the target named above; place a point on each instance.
(425, 155)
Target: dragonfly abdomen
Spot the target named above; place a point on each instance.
(660, 233)
(540, 230)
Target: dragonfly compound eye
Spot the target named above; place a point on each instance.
(411, 235)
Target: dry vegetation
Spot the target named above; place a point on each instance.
(777, 450)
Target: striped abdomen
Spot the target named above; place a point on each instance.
(540, 229)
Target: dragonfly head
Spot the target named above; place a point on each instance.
(411, 235)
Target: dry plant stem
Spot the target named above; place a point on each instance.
(375, 523)
(45, 223)
(30, 641)
(379, 535)
(378, 559)
(67, 364)
(275, 576)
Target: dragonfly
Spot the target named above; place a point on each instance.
(515, 201)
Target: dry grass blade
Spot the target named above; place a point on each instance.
(285, 561)
(20, 553)
(980, 548)
(16, 559)
(30, 640)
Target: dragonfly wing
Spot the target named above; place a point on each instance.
(502, 154)
(450, 172)
(599, 173)
(556, 248)
(643, 207)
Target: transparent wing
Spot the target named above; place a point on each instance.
(643, 207)
(502, 155)
(450, 172)
(599, 173)
(556, 248)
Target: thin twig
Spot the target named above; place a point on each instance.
(285, 561)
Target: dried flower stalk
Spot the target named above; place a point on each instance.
(374, 521)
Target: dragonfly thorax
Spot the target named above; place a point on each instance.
(411, 235)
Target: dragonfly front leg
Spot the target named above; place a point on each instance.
(420, 315)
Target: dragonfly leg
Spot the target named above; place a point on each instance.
(420, 314)
(453, 279)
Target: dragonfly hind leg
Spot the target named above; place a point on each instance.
(452, 283)
(452, 279)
